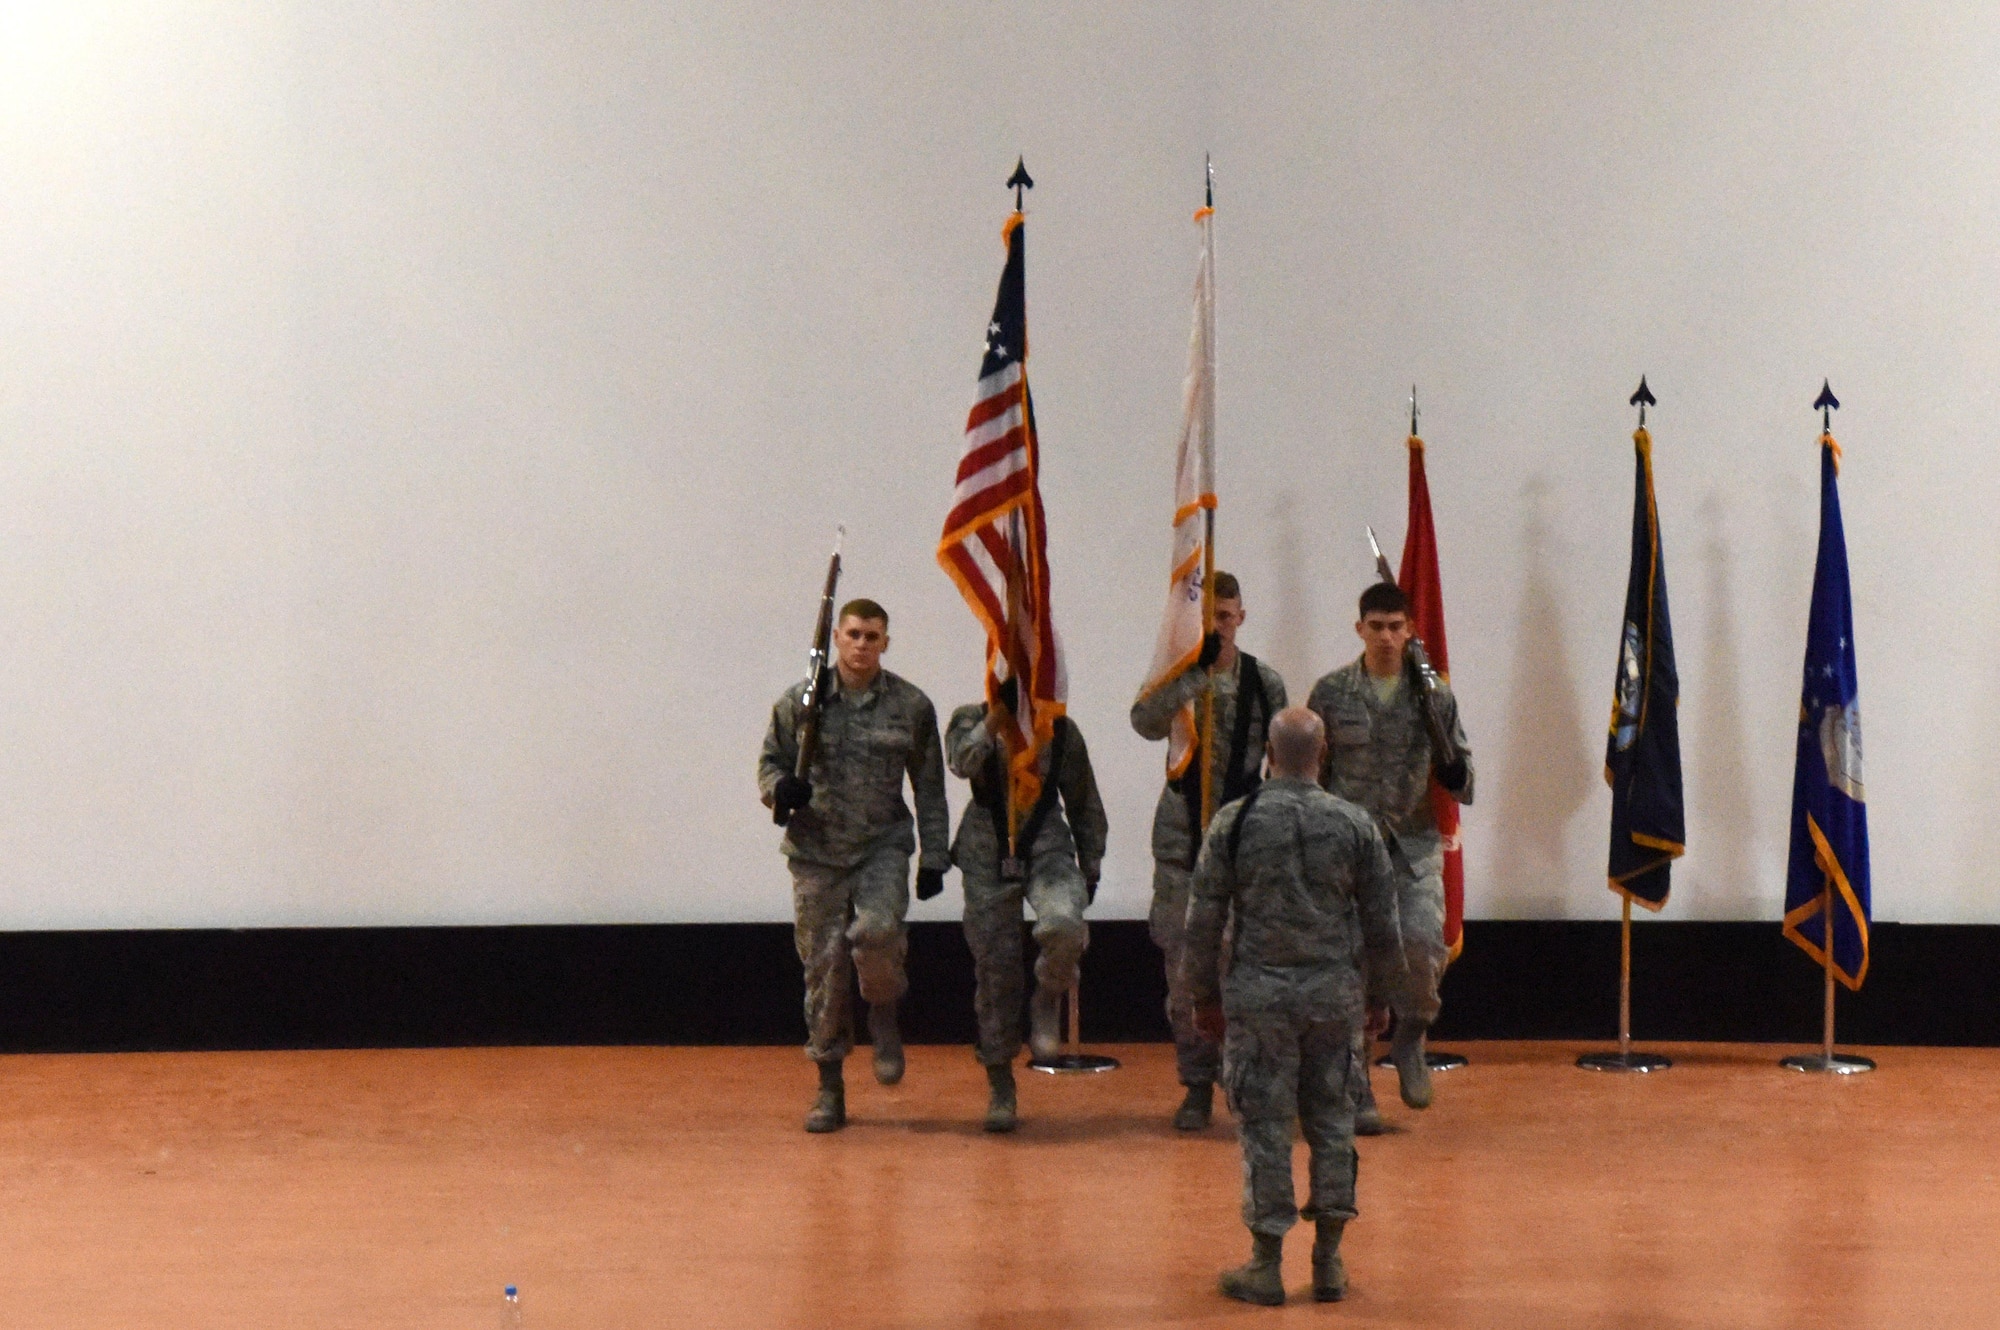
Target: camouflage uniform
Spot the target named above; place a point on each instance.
(1067, 850)
(1378, 755)
(1174, 840)
(850, 847)
(1310, 887)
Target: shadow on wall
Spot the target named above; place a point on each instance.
(1548, 770)
(1724, 860)
(1291, 635)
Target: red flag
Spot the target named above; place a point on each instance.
(1419, 580)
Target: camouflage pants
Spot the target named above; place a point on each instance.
(1281, 1068)
(849, 921)
(1197, 1059)
(1413, 995)
(1054, 891)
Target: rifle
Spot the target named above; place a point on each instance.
(1417, 662)
(813, 700)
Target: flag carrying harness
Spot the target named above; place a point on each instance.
(1236, 782)
(991, 792)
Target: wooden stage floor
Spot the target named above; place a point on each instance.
(631, 1187)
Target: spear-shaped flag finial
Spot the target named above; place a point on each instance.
(1413, 410)
(1826, 404)
(1019, 181)
(1642, 398)
(1208, 177)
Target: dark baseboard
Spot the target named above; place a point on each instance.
(740, 984)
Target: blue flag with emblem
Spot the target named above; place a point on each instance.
(1828, 873)
(1642, 754)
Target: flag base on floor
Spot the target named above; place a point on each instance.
(1074, 1064)
(1641, 1062)
(1838, 1064)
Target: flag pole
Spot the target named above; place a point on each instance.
(1827, 1060)
(1207, 726)
(1625, 982)
(1625, 1059)
(1826, 1024)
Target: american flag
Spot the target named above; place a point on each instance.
(994, 544)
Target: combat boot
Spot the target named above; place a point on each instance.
(1329, 1275)
(1413, 1073)
(1045, 1023)
(888, 1042)
(1196, 1109)
(1000, 1111)
(1367, 1114)
(1262, 1280)
(829, 1110)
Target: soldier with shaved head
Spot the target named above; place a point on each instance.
(1303, 880)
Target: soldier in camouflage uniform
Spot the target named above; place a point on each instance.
(849, 845)
(1054, 867)
(1304, 882)
(1379, 756)
(1235, 759)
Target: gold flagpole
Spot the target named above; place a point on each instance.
(1826, 1060)
(1625, 982)
(1826, 915)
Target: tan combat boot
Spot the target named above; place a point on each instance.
(1045, 1023)
(1368, 1120)
(1196, 1108)
(888, 1042)
(1329, 1275)
(1413, 1073)
(1000, 1110)
(829, 1110)
(1262, 1280)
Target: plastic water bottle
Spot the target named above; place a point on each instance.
(510, 1310)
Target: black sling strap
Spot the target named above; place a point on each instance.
(1236, 827)
(993, 798)
(1236, 782)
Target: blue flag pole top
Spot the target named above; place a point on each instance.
(1827, 879)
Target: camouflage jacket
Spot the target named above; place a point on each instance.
(1077, 827)
(1153, 718)
(1311, 898)
(868, 742)
(1378, 754)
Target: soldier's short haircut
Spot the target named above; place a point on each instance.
(1226, 587)
(1384, 598)
(864, 608)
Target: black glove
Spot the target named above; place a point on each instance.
(930, 882)
(793, 792)
(1211, 651)
(1453, 776)
(1009, 696)
(1090, 888)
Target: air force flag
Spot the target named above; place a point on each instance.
(1829, 861)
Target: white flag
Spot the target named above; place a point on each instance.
(1194, 492)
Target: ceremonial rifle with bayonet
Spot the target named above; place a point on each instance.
(1430, 687)
(795, 791)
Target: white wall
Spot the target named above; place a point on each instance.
(421, 427)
